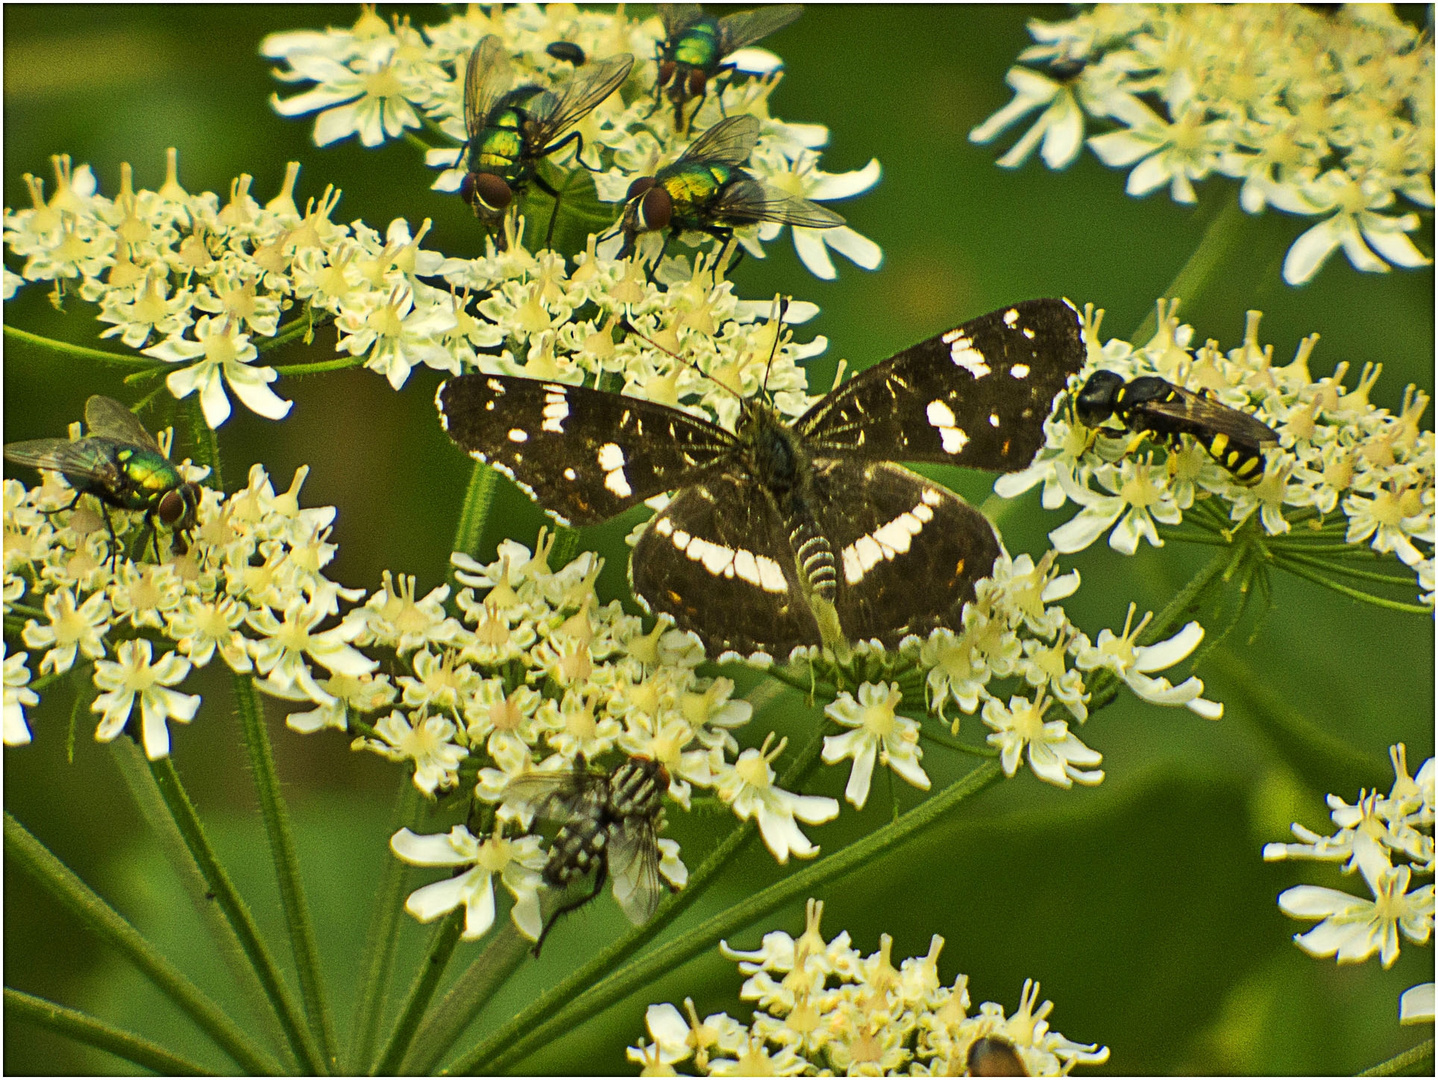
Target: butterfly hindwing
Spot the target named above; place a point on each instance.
(908, 550)
(718, 559)
(584, 455)
(975, 396)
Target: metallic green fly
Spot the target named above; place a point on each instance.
(707, 191)
(120, 463)
(510, 130)
(695, 45)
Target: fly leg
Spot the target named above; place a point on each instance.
(564, 909)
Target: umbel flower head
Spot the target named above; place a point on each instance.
(1387, 841)
(822, 1005)
(1325, 115)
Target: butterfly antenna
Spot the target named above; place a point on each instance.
(779, 310)
(629, 328)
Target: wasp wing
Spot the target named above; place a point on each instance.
(633, 858)
(748, 200)
(1198, 414)
(569, 103)
(679, 17)
(729, 142)
(487, 78)
(746, 27)
(109, 419)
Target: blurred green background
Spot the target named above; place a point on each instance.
(1143, 906)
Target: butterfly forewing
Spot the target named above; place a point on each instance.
(584, 455)
(975, 396)
(908, 550)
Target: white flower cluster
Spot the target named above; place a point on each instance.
(1013, 639)
(209, 279)
(822, 1005)
(1337, 454)
(250, 590)
(1387, 840)
(377, 81)
(1324, 114)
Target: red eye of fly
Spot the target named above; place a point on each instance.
(666, 72)
(171, 508)
(489, 192)
(639, 187)
(697, 79)
(655, 209)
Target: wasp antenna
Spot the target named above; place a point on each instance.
(629, 328)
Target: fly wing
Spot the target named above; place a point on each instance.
(634, 868)
(74, 458)
(549, 796)
(565, 106)
(678, 17)
(487, 77)
(746, 27)
(748, 200)
(109, 419)
(729, 142)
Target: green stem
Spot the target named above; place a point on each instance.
(1218, 241)
(233, 905)
(140, 782)
(431, 968)
(1324, 761)
(448, 1020)
(1349, 571)
(106, 923)
(1299, 570)
(295, 329)
(508, 1046)
(84, 1028)
(383, 936)
(474, 511)
(1408, 1063)
(287, 868)
(319, 367)
(205, 443)
(78, 352)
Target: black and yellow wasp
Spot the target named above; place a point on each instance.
(511, 130)
(1157, 408)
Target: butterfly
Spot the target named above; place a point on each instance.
(784, 535)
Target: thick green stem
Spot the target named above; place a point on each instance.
(287, 867)
(527, 1031)
(431, 969)
(140, 782)
(238, 912)
(448, 1020)
(1219, 239)
(84, 1028)
(107, 924)
(1298, 569)
(383, 936)
(1416, 1061)
(474, 511)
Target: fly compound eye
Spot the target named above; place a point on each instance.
(171, 507)
(655, 209)
(490, 192)
(666, 72)
(697, 79)
(639, 187)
